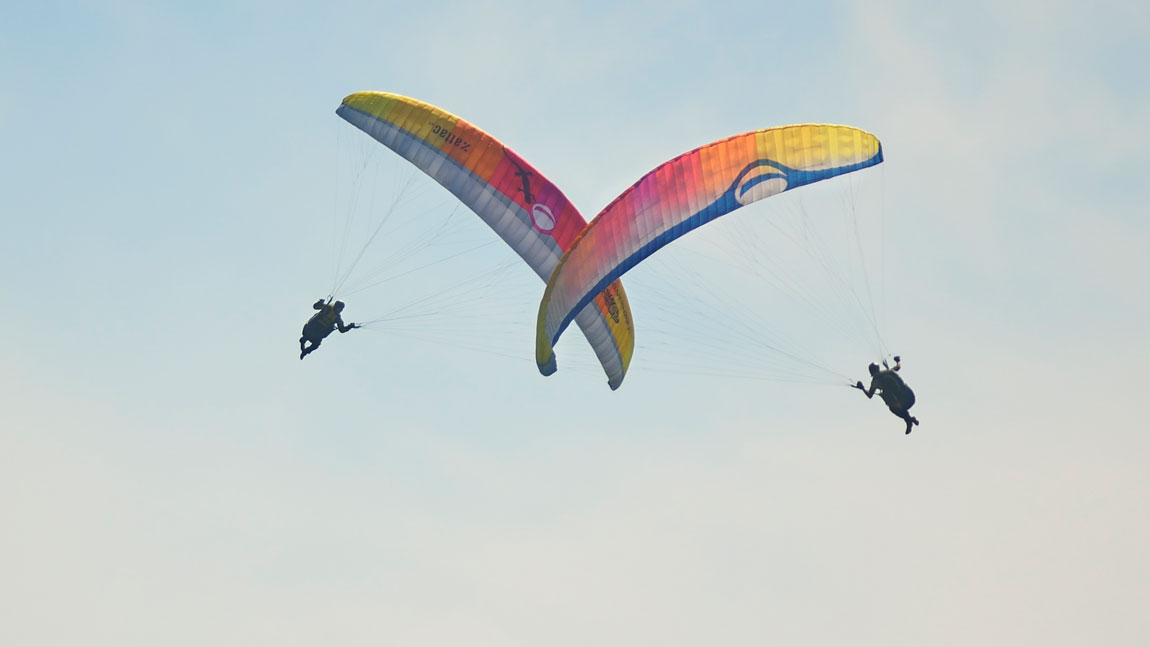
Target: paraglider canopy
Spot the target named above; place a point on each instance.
(684, 194)
(518, 202)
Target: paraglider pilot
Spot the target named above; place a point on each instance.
(321, 324)
(893, 391)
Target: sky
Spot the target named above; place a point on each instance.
(171, 473)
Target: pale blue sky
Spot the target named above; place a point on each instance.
(172, 474)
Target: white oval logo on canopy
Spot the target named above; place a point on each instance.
(542, 217)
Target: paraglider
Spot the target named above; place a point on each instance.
(893, 391)
(522, 206)
(322, 324)
(684, 194)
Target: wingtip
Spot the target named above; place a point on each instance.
(549, 367)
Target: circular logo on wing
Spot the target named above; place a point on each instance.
(758, 182)
(542, 218)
